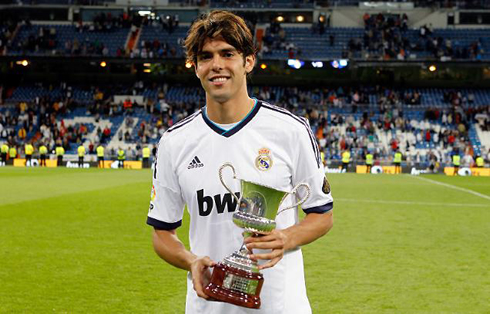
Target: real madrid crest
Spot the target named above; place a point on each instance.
(263, 162)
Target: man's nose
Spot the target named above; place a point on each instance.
(217, 63)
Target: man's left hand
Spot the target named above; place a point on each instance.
(275, 241)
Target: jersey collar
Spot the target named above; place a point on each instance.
(227, 133)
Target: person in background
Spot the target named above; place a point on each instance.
(146, 157)
(121, 157)
(43, 151)
(60, 151)
(397, 161)
(100, 156)
(81, 155)
(4, 151)
(29, 150)
(12, 153)
(345, 160)
(369, 162)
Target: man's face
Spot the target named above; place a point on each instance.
(222, 70)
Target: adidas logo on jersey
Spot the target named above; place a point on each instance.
(195, 163)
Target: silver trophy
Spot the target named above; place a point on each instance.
(237, 279)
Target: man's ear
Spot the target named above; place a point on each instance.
(195, 69)
(249, 63)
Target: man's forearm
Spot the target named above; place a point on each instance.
(312, 227)
(168, 246)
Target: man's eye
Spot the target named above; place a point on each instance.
(228, 54)
(204, 57)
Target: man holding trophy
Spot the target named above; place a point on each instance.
(243, 167)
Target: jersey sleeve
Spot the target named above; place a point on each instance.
(308, 168)
(166, 204)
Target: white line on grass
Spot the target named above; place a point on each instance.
(453, 187)
(409, 203)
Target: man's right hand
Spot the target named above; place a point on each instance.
(201, 274)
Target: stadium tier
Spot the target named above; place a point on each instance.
(367, 119)
(281, 44)
(67, 40)
(257, 4)
(352, 43)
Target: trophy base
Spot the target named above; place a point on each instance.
(235, 286)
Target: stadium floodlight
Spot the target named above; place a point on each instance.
(263, 66)
(147, 70)
(300, 19)
(317, 64)
(144, 12)
(23, 63)
(147, 65)
(188, 64)
(295, 63)
(103, 64)
(432, 68)
(280, 19)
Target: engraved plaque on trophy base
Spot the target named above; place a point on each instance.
(236, 286)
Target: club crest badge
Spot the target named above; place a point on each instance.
(263, 162)
(326, 186)
(153, 194)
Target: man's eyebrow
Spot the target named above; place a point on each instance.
(231, 49)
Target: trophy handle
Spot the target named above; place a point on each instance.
(227, 164)
(308, 192)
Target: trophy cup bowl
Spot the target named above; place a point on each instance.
(237, 279)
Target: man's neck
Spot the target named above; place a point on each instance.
(231, 111)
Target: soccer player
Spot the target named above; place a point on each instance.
(266, 144)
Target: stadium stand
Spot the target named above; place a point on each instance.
(284, 43)
(377, 41)
(427, 124)
(368, 118)
(257, 4)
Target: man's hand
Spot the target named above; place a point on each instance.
(275, 241)
(201, 274)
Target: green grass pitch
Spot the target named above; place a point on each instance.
(75, 241)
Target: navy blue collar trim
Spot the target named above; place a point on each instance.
(236, 128)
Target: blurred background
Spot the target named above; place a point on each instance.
(371, 77)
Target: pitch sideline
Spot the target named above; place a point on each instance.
(408, 203)
(453, 187)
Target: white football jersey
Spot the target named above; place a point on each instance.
(270, 146)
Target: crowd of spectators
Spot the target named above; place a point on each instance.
(351, 125)
(444, 131)
(275, 38)
(7, 31)
(386, 37)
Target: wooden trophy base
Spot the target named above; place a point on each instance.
(236, 286)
